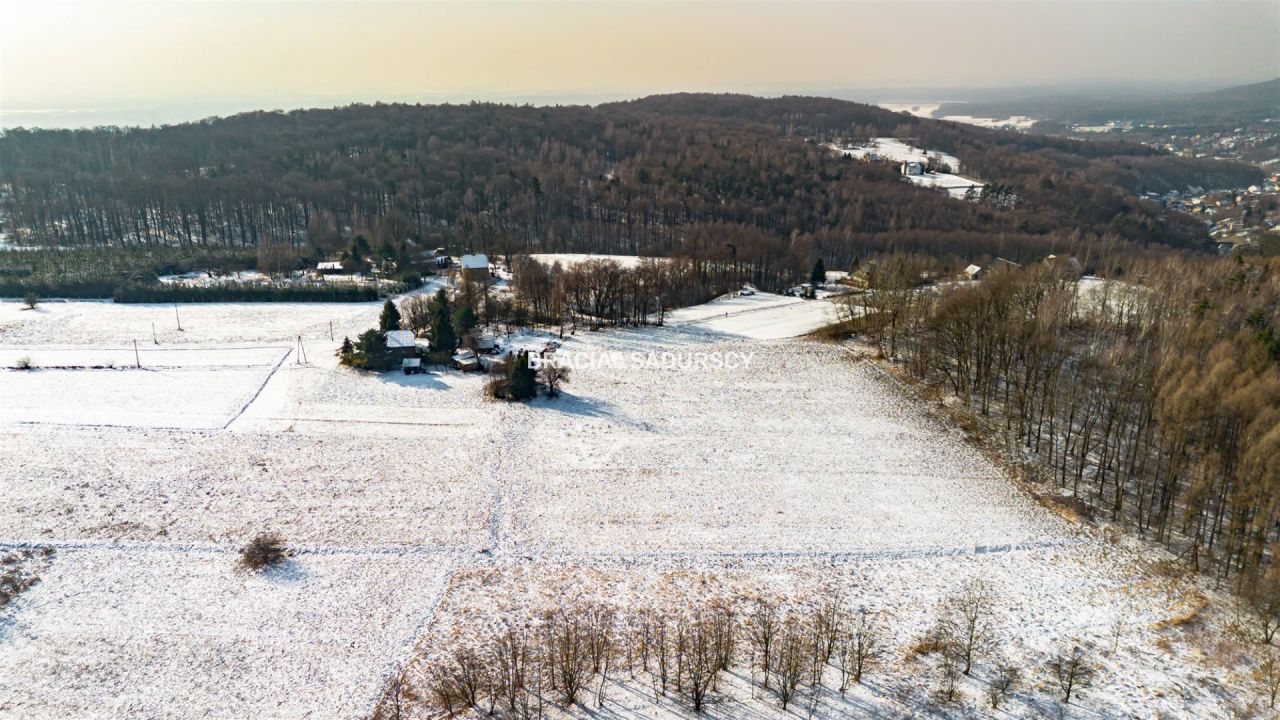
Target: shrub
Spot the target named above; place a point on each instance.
(497, 387)
(30, 299)
(265, 550)
(24, 363)
(18, 572)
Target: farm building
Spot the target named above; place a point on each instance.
(329, 267)
(475, 267)
(402, 343)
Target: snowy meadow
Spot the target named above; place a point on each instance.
(423, 519)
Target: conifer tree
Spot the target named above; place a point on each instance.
(346, 352)
(819, 274)
(390, 318)
(523, 379)
(442, 336)
(464, 319)
(371, 351)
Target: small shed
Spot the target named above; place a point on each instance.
(402, 343)
(466, 361)
(475, 267)
(329, 267)
(973, 272)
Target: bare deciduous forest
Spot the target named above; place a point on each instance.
(1152, 400)
(720, 177)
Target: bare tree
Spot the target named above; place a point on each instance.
(857, 649)
(829, 623)
(1268, 675)
(788, 666)
(949, 678)
(1071, 668)
(512, 658)
(762, 629)
(415, 314)
(568, 653)
(553, 375)
(1262, 593)
(699, 637)
(966, 622)
(1002, 684)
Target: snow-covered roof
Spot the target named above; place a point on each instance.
(479, 261)
(333, 265)
(972, 270)
(400, 339)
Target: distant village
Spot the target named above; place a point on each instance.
(1237, 219)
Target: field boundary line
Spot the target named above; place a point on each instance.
(261, 387)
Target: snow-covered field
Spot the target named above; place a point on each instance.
(762, 316)
(885, 148)
(570, 259)
(419, 511)
(929, 109)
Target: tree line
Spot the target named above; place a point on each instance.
(798, 653)
(1152, 398)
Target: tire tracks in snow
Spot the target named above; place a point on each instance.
(261, 387)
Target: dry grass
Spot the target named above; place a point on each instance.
(929, 644)
(265, 550)
(19, 572)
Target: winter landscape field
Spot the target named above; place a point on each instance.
(420, 514)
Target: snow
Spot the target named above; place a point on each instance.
(762, 316)
(111, 633)
(1017, 122)
(205, 278)
(570, 259)
(897, 151)
(419, 511)
(893, 149)
(928, 110)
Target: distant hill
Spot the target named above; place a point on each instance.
(686, 174)
(1230, 106)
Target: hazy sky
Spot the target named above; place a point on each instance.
(283, 54)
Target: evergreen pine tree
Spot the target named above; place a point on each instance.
(346, 352)
(464, 319)
(443, 338)
(523, 379)
(390, 319)
(371, 351)
(819, 274)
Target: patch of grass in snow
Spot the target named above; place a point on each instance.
(19, 572)
(264, 551)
